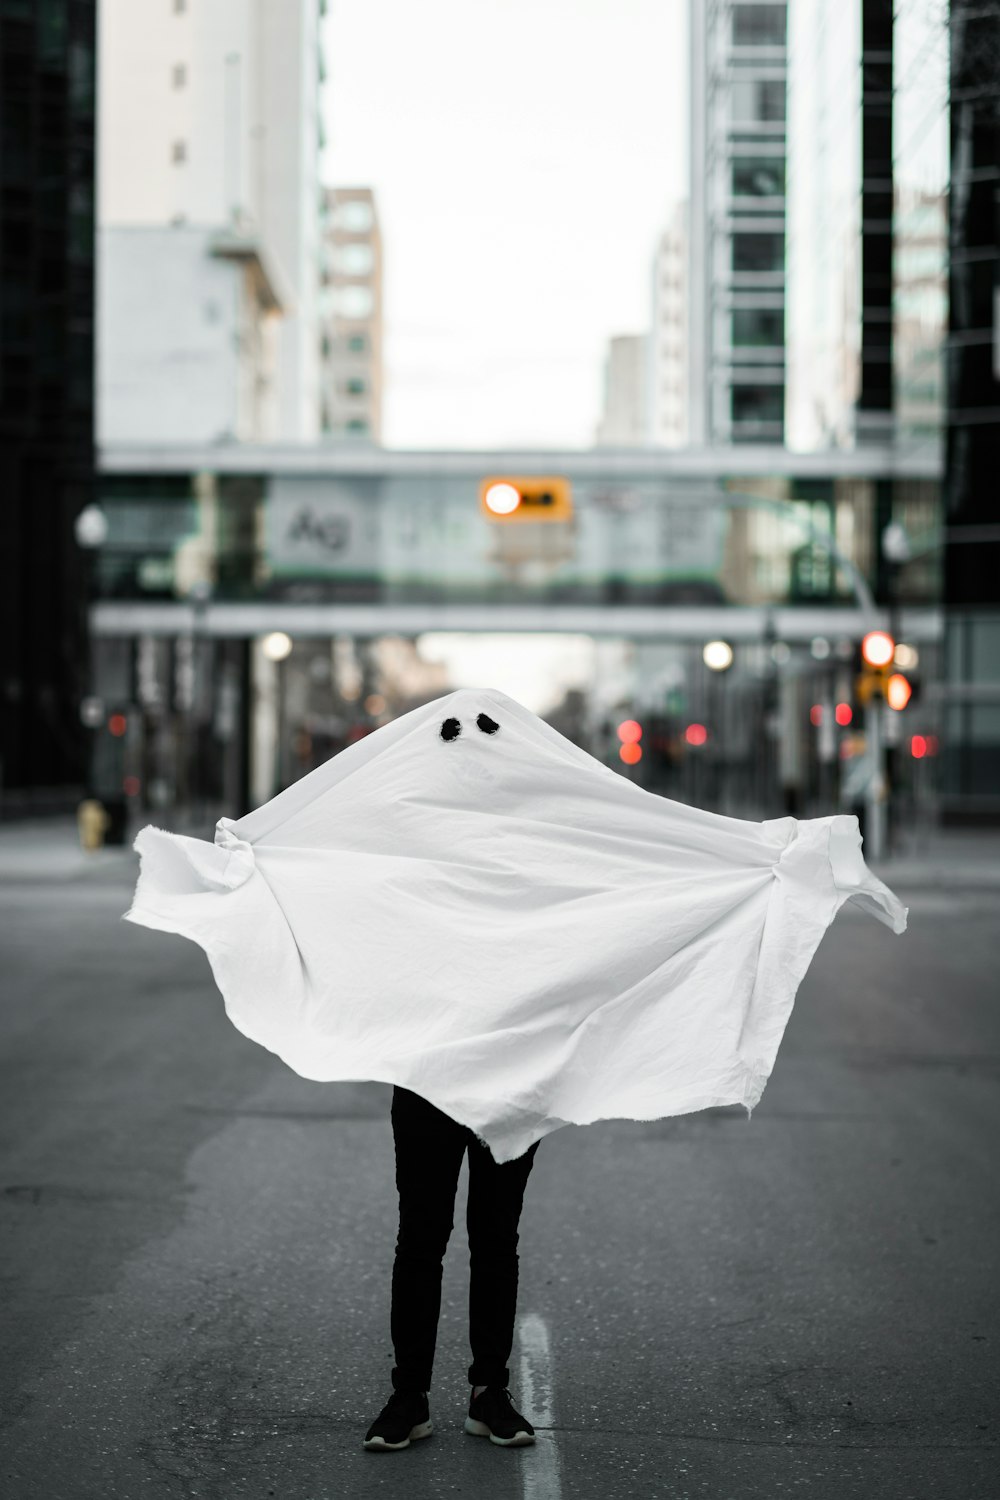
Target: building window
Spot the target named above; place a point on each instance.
(354, 215)
(179, 75)
(758, 177)
(357, 343)
(353, 260)
(353, 301)
(355, 386)
(357, 424)
(180, 6)
(759, 25)
(178, 151)
(758, 403)
(758, 252)
(758, 327)
(771, 95)
(758, 101)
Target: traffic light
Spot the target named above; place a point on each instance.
(842, 714)
(878, 648)
(630, 733)
(877, 651)
(878, 674)
(898, 691)
(505, 498)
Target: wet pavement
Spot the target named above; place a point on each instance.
(197, 1243)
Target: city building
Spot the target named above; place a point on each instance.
(920, 313)
(824, 225)
(971, 690)
(47, 69)
(351, 315)
(736, 225)
(623, 415)
(817, 223)
(867, 223)
(208, 258)
(196, 360)
(667, 402)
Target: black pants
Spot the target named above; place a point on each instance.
(429, 1151)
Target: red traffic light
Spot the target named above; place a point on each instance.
(842, 713)
(878, 648)
(117, 725)
(696, 734)
(630, 732)
(630, 752)
(923, 744)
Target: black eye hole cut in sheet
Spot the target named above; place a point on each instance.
(452, 728)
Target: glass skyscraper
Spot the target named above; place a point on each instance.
(46, 393)
(737, 234)
(867, 223)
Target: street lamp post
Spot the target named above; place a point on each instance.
(897, 551)
(770, 717)
(200, 596)
(91, 532)
(277, 647)
(717, 657)
(875, 796)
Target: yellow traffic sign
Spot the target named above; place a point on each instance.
(519, 497)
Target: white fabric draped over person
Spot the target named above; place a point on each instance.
(507, 927)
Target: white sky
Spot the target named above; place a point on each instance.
(524, 155)
(534, 669)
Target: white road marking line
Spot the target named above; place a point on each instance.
(540, 1472)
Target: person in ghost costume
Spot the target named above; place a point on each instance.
(470, 907)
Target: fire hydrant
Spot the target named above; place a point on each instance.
(92, 820)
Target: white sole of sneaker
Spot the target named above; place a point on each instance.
(480, 1429)
(379, 1445)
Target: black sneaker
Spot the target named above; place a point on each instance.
(492, 1414)
(404, 1416)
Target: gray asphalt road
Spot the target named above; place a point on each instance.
(197, 1246)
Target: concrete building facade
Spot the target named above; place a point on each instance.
(208, 196)
(188, 336)
(667, 353)
(623, 415)
(351, 315)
